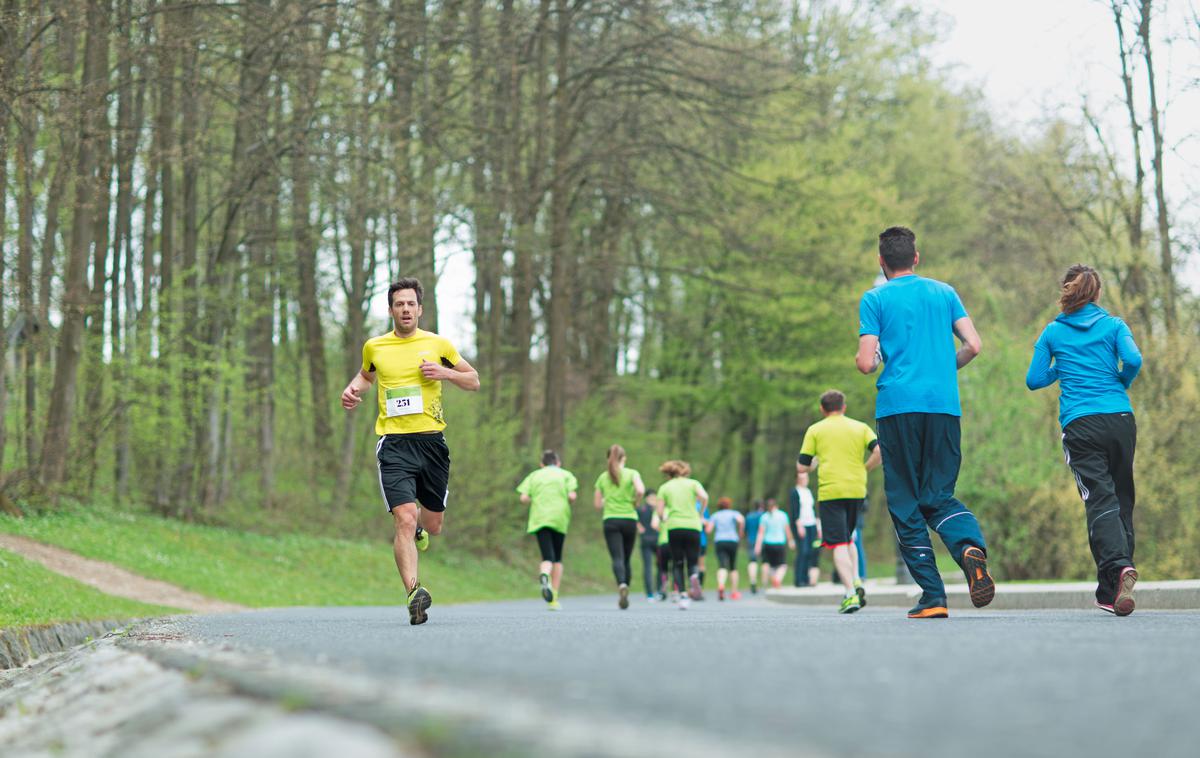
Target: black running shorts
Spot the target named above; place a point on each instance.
(774, 555)
(550, 544)
(413, 468)
(838, 520)
(727, 554)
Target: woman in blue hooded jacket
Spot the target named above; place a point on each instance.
(1094, 359)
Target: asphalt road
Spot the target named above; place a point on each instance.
(805, 680)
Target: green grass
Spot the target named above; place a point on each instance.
(264, 571)
(259, 570)
(30, 594)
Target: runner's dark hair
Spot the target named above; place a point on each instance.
(898, 247)
(616, 457)
(407, 283)
(1080, 286)
(549, 458)
(832, 401)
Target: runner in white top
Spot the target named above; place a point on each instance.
(727, 527)
(808, 533)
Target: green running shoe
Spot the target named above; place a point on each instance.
(419, 601)
(850, 604)
(422, 539)
(862, 593)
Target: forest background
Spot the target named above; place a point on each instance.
(671, 210)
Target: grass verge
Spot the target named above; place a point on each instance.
(286, 570)
(30, 594)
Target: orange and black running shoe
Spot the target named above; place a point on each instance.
(934, 608)
(979, 581)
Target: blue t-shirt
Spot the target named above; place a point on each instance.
(703, 511)
(913, 317)
(1086, 346)
(725, 525)
(752, 520)
(774, 526)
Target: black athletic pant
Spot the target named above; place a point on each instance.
(664, 560)
(1099, 449)
(650, 567)
(620, 534)
(685, 554)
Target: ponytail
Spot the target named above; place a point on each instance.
(616, 458)
(1080, 286)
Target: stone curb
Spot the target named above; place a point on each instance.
(1150, 596)
(21, 645)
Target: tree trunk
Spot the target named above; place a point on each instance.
(304, 240)
(26, 151)
(95, 375)
(94, 85)
(561, 257)
(526, 189)
(1160, 199)
(1135, 287)
(122, 241)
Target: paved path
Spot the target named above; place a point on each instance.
(1153, 595)
(799, 679)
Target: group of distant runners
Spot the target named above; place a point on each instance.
(906, 324)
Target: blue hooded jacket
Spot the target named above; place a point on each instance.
(1085, 347)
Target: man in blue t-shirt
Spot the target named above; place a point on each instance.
(909, 324)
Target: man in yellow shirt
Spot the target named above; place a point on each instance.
(414, 462)
(840, 444)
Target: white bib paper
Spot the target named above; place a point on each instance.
(403, 401)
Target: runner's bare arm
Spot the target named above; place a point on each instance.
(702, 494)
(598, 500)
(352, 395)
(463, 375)
(874, 459)
(868, 358)
(805, 468)
(965, 331)
(571, 496)
(639, 488)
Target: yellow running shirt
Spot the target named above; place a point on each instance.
(840, 445)
(408, 402)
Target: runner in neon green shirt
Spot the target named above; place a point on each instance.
(845, 450)
(618, 491)
(677, 504)
(549, 492)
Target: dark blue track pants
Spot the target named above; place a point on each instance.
(921, 456)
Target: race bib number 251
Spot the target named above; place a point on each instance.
(403, 401)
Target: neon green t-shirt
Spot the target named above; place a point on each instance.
(679, 503)
(548, 489)
(840, 445)
(618, 498)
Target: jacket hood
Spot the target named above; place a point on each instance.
(1084, 318)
